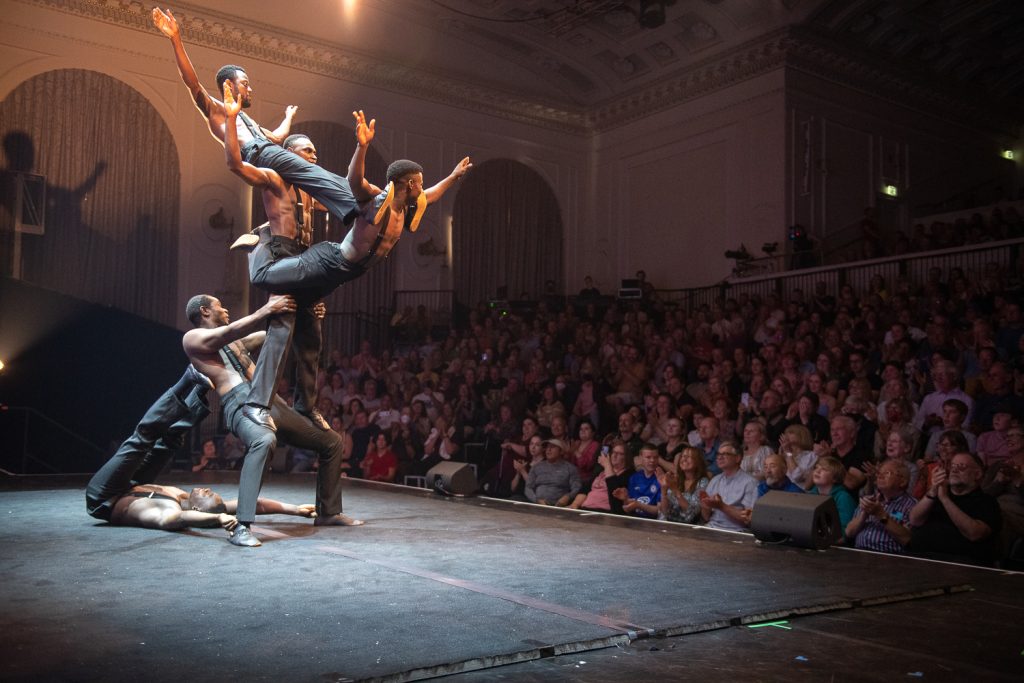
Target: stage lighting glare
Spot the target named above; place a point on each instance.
(1008, 154)
(1, 366)
(891, 191)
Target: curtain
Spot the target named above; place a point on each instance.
(506, 233)
(359, 309)
(112, 188)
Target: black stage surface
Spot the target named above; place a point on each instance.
(476, 589)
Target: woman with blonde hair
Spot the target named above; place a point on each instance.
(681, 487)
(797, 447)
(755, 449)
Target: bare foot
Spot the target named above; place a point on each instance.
(338, 520)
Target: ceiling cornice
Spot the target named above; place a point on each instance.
(790, 48)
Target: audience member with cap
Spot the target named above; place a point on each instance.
(553, 480)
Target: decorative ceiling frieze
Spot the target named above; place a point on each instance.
(808, 49)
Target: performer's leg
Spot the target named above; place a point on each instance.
(330, 189)
(297, 431)
(116, 475)
(164, 449)
(258, 442)
(321, 267)
(306, 351)
(269, 364)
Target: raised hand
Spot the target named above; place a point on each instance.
(320, 310)
(231, 105)
(165, 22)
(364, 131)
(462, 167)
(290, 111)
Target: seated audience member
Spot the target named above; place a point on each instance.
(643, 493)
(755, 450)
(775, 478)
(1004, 481)
(709, 441)
(730, 494)
(553, 480)
(681, 486)
(805, 412)
(796, 446)
(499, 480)
(882, 520)
(586, 406)
(232, 451)
(898, 417)
(535, 453)
(660, 410)
(997, 395)
(363, 434)
(627, 434)
(584, 452)
(899, 446)
(950, 443)
(945, 377)
(615, 473)
(669, 451)
(209, 458)
(380, 462)
(442, 443)
(956, 520)
(994, 445)
(844, 448)
(954, 412)
(828, 476)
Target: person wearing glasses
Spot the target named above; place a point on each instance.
(731, 494)
(955, 520)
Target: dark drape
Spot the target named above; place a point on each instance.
(112, 191)
(506, 231)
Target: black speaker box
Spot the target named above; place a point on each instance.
(452, 477)
(803, 519)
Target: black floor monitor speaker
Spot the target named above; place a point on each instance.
(452, 477)
(803, 519)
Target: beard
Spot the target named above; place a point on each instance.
(246, 103)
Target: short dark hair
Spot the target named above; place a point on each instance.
(399, 168)
(226, 73)
(290, 140)
(192, 311)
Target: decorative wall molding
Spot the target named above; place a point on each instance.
(787, 48)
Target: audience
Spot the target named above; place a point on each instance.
(834, 373)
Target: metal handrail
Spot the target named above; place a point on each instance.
(27, 455)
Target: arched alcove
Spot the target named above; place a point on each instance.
(354, 308)
(506, 233)
(112, 191)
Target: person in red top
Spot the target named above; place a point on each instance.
(380, 463)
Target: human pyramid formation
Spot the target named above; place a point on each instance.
(297, 275)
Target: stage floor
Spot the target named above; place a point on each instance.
(476, 589)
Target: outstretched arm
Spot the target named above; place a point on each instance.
(168, 519)
(204, 341)
(168, 25)
(256, 177)
(434, 193)
(281, 132)
(361, 188)
(268, 506)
